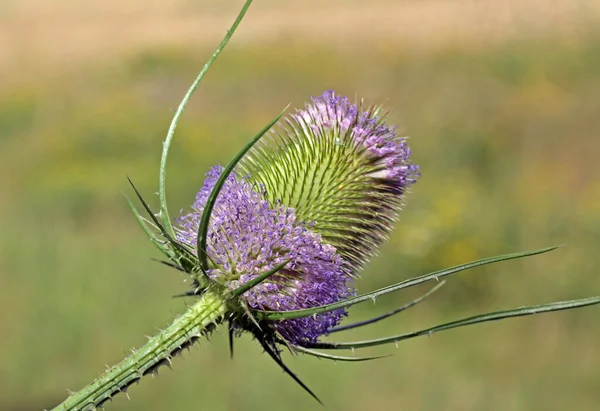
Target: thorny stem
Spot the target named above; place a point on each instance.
(196, 322)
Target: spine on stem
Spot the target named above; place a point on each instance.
(197, 321)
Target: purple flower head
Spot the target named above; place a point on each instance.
(247, 237)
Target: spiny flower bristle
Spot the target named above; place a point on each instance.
(341, 168)
(247, 237)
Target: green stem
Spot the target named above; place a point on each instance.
(198, 320)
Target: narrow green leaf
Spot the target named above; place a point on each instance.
(336, 357)
(191, 293)
(212, 198)
(387, 315)
(231, 338)
(151, 235)
(146, 206)
(250, 316)
(256, 281)
(183, 251)
(494, 316)
(288, 315)
(275, 356)
(164, 213)
(171, 264)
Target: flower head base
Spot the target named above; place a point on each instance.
(247, 237)
(339, 166)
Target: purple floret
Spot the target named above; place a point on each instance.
(248, 237)
(365, 129)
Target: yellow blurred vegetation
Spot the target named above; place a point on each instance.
(501, 100)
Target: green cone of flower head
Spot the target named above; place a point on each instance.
(341, 168)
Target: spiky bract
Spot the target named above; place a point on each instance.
(341, 168)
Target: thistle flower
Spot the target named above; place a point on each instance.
(273, 239)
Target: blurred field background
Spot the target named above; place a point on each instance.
(502, 103)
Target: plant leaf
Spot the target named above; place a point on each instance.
(336, 357)
(212, 198)
(275, 356)
(231, 338)
(494, 316)
(386, 315)
(256, 281)
(180, 250)
(250, 316)
(436, 275)
(151, 235)
(164, 213)
(171, 264)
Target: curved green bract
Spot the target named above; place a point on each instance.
(276, 356)
(389, 314)
(151, 234)
(162, 195)
(494, 316)
(212, 198)
(177, 252)
(288, 315)
(331, 357)
(256, 281)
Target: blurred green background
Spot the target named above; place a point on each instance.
(502, 103)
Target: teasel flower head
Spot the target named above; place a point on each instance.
(289, 203)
